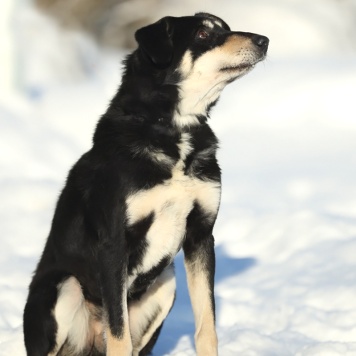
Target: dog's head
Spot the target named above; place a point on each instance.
(199, 54)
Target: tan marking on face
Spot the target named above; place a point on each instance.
(205, 78)
(235, 43)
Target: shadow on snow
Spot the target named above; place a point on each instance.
(180, 321)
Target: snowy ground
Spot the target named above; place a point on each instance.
(286, 234)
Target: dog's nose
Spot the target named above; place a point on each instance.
(260, 41)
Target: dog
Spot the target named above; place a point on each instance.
(149, 186)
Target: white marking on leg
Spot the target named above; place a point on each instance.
(116, 346)
(71, 315)
(199, 291)
(120, 345)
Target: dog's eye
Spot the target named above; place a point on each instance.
(202, 34)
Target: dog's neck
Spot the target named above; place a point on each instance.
(151, 95)
(199, 90)
(195, 103)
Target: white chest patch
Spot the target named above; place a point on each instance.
(171, 202)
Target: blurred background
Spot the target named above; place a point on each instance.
(286, 234)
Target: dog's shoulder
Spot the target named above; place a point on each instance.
(158, 142)
(132, 153)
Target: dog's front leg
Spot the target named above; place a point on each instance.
(112, 260)
(199, 263)
(113, 280)
(107, 211)
(119, 343)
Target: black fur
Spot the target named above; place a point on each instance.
(90, 237)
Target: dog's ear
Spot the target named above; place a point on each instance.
(155, 40)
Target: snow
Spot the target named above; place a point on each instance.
(286, 233)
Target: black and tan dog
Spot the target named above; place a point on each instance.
(149, 186)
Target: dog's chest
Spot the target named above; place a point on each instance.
(169, 204)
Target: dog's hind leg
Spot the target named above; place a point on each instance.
(72, 317)
(38, 321)
(55, 314)
(147, 314)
